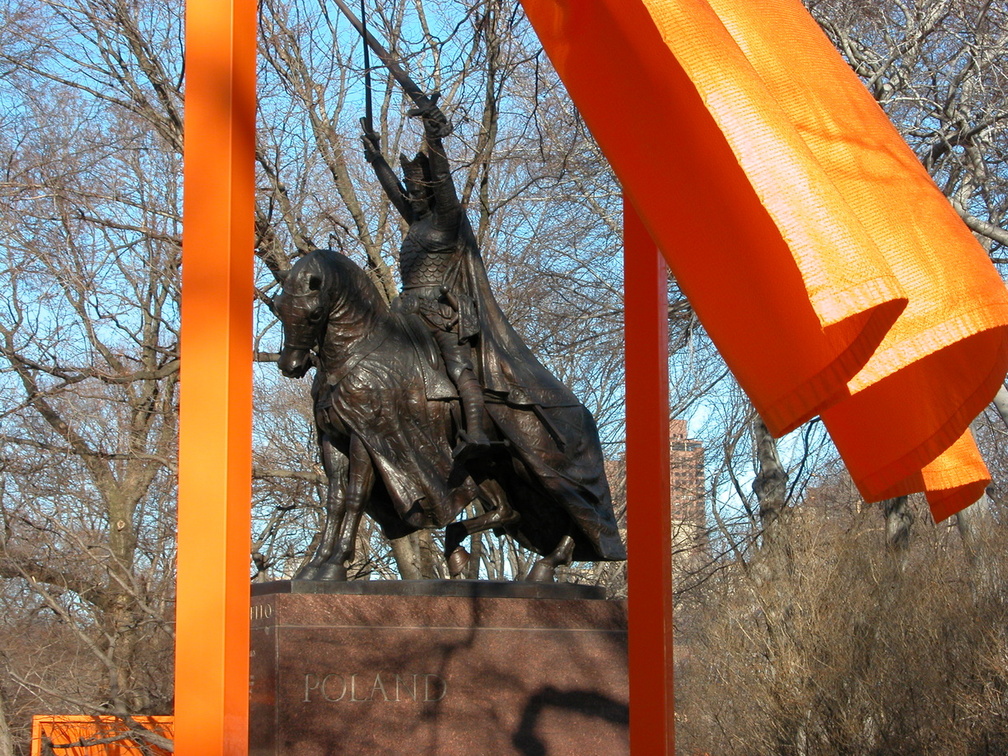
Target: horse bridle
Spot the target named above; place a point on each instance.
(301, 347)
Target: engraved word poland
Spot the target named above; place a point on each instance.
(374, 686)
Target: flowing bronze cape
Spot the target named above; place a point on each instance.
(571, 466)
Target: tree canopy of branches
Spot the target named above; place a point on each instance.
(90, 203)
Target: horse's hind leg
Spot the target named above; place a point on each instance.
(499, 515)
(360, 480)
(544, 570)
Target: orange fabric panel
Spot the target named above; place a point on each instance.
(826, 266)
(945, 356)
(956, 479)
(669, 144)
(953, 481)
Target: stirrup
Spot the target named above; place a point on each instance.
(468, 448)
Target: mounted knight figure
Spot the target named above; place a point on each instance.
(436, 402)
(436, 272)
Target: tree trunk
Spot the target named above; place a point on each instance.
(976, 521)
(770, 488)
(429, 554)
(417, 556)
(406, 558)
(973, 523)
(476, 556)
(6, 742)
(898, 521)
(770, 484)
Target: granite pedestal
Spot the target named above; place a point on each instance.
(432, 667)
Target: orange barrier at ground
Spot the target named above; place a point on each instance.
(50, 732)
(827, 267)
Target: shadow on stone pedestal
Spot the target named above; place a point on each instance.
(437, 667)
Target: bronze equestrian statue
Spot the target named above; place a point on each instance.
(436, 402)
(388, 418)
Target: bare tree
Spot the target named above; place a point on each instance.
(90, 209)
(88, 353)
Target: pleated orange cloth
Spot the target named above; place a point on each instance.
(829, 270)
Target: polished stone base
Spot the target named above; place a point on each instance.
(455, 667)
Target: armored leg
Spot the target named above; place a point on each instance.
(471, 394)
(456, 356)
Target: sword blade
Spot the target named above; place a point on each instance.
(398, 73)
(368, 111)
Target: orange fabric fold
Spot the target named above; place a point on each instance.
(952, 482)
(826, 266)
(956, 479)
(684, 167)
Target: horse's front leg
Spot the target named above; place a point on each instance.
(334, 463)
(360, 480)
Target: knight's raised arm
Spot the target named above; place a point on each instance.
(386, 176)
(436, 126)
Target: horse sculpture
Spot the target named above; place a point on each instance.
(388, 420)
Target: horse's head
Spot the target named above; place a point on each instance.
(303, 308)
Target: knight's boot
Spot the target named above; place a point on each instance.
(474, 440)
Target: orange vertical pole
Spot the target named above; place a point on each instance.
(649, 521)
(215, 427)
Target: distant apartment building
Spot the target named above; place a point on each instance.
(687, 494)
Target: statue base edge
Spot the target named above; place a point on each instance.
(459, 588)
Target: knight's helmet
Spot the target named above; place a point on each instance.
(417, 177)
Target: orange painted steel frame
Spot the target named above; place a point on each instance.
(649, 519)
(215, 433)
(212, 616)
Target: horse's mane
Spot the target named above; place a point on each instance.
(350, 279)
